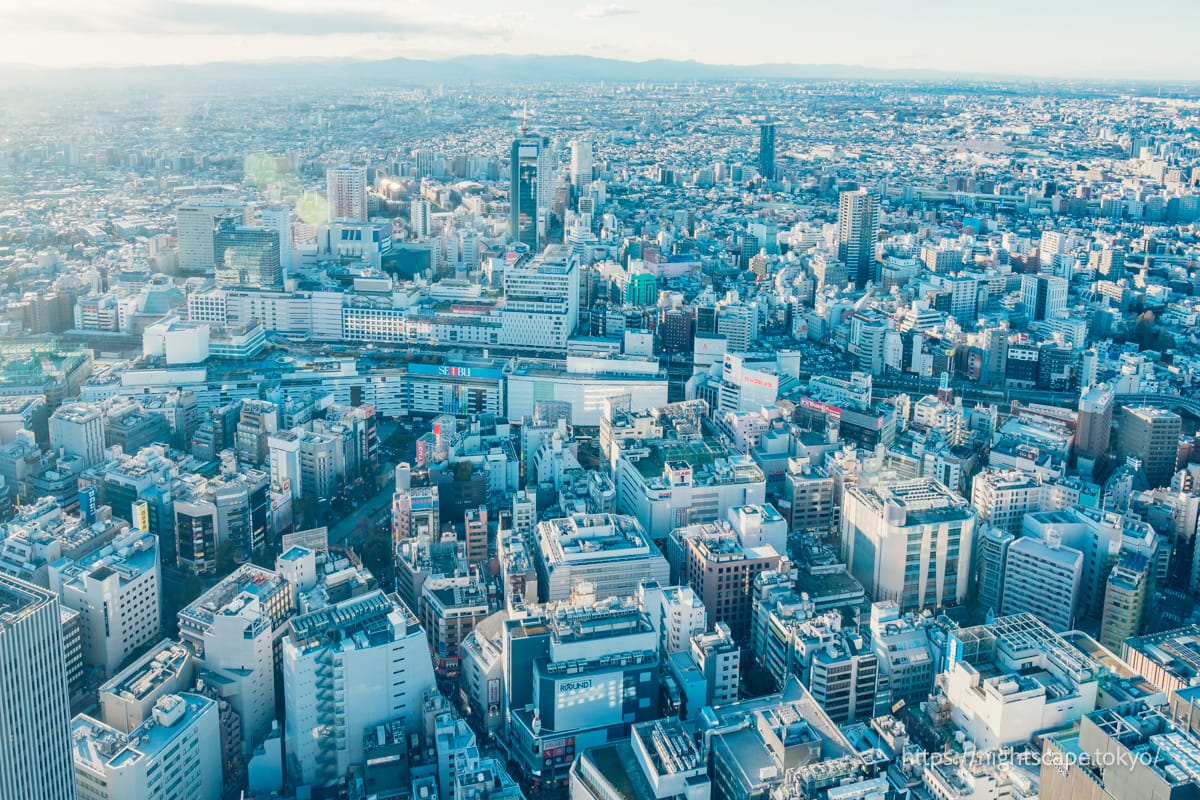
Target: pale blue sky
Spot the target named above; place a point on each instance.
(1067, 38)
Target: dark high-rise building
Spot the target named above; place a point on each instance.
(529, 187)
(766, 150)
(246, 256)
(858, 228)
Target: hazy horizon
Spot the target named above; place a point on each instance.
(1069, 39)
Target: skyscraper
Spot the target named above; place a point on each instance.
(246, 256)
(529, 187)
(766, 150)
(581, 163)
(347, 193)
(858, 228)
(1152, 435)
(1043, 295)
(909, 541)
(35, 745)
(194, 221)
(1094, 427)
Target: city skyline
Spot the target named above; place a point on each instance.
(1070, 40)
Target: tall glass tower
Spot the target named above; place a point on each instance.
(529, 187)
(246, 256)
(766, 150)
(858, 228)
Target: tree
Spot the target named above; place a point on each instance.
(225, 557)
(377, 552)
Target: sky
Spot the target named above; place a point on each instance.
(1052, 38)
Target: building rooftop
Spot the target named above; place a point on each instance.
(19, 599)
(582, 538)
(255, 581)
(1177, 651)
(365, 621)
(100, 748)
(163, 663)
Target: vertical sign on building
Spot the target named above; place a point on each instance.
(141, 515)
(87, 504)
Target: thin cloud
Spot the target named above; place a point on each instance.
(601, 11)
(204, 18)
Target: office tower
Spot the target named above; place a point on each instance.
(475, 534)
(721, 567)
(233, 630)
(257, 420)
(991, 554)
(281, 219)
(116, 591)
(766, 150)
(1043, 578)
(581, 164)
(858, 228)
(610, 551)
(1044, 296)
(35, 744)
(1151, 435)
(1094, 426)
(246, 256)
(1002, 497)
(1125, 596)
(77, 429)
(194, 222)
(738, 323)
(909, 541)
(542, 294)
(904, 651)
(529, 188)
(415, 514)
(813, 495)
(676, 612)
(346, 191)
(844, 678)
(347, 668)
(209, 513)
(175, 753)
(419, 219)
(567, 683)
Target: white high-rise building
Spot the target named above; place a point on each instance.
(541, 301)
(346, 189)
(116, 591)
(77, 429)
(232, 629)
(581, 163)
(195, 220)
(346, 668)
(676, 612)
(909, 541)
(419, 219)
(175, 754)
(35, 718)
(1043, 578)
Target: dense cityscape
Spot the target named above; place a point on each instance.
(739, 439)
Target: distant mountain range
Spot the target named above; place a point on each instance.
(490, 69)
(480, 69)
